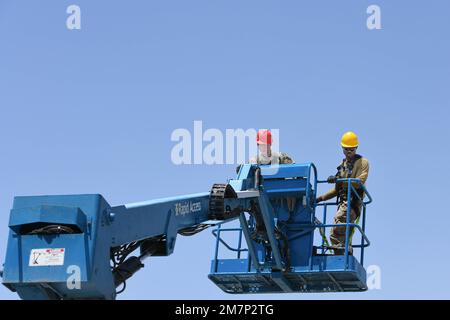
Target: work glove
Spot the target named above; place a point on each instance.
(332, 179)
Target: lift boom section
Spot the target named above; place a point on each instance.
(80, 247)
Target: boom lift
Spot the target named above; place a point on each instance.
(51, 237)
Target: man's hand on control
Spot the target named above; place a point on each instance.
(331, 179)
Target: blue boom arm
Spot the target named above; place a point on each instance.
(55, 239)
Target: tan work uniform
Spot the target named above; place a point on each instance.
(358, 170)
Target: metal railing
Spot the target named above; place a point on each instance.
(365, 242)
(219, 240)
(362, 229)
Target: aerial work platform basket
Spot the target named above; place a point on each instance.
(261, 267)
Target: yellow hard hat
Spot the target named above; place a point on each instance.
(349, 140)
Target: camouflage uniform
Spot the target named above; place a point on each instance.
(359, 169)
(275, 158)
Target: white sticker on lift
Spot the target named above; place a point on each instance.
(47, 257)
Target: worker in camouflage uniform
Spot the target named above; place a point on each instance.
(265, 153)
(353, 166)
(267, 157)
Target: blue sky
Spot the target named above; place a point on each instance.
(92, 111)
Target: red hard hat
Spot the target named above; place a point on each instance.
(264, 136)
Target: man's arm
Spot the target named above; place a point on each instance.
(327, 196)
(284, 158)
(362, 174)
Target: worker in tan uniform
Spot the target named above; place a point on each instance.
(353, 166)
